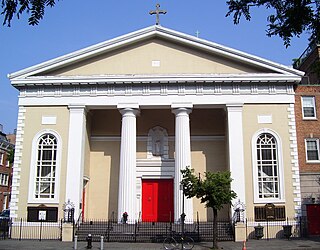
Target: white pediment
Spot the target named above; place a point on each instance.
(155, 52)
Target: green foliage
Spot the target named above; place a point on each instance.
(291, 17)
(214, 190)
(35, 8)
(11, 156)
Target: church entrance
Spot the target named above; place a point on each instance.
(157, 200)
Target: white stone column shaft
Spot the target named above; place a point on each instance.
(75, 162)
(127, 177)
(236, 152)
(182, 160)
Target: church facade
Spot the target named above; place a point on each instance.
(108, 128)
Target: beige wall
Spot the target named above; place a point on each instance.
(102, 188)
(174, 59)
(208, 156)
(279, 125)
(33, 120)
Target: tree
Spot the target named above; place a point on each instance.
(35, 8)
(291, 17)
(214, 191)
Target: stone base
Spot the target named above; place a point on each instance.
(67, 232)
(240, 232)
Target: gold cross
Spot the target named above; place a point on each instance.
(157, 12)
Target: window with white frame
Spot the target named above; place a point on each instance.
(1, 158)
(46, 167)
(4, 178)
(312, 149)
(308, 107)
(267, 164)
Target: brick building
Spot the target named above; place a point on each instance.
(307, 110)
(5, 170)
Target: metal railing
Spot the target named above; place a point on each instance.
(22, 229)
(272, 229)
(134, 231)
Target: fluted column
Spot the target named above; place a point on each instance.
(236, 152)
(75, 163)
(182, 159)
(127, 201)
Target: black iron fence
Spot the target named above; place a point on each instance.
(22, 229)
(272, 229)
(133, 231)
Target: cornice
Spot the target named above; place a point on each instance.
(154, 79)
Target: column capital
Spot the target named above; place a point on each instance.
(179, 108)
(234, 107)
(77, 108)
(177, 105)
(128, 106)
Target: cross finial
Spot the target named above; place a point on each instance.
(197, 33)
(157, 12)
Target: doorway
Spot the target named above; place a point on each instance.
(157, 200)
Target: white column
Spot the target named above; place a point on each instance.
(75, 162)
(127, 200)
(235, 145)
(182, 159)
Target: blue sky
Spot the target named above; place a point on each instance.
(75, 24)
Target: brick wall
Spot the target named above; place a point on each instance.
(307, 128)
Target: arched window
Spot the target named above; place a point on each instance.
(267, 164)
(46, 164)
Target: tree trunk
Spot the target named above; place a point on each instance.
(215, 230)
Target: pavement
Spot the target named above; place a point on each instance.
(281, 244)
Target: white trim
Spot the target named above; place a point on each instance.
(236, 149)
(314, 108)
(306, 149)
(170, 138)
(17, 161)
(258, 200)
(155, 101)
(33, 168)
(54, 81)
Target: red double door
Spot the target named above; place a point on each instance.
(157, 200)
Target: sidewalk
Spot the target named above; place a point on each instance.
(294, 244)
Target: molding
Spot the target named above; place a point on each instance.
(17, 162)
(294, 160)
(150, 89)
(115, 80)
(170, 138)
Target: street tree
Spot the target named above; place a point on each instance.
(214, 190)
(290, 19)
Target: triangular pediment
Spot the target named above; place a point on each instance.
(157, 56)
(155, 51)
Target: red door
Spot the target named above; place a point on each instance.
(313, 212)
(157, 200)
